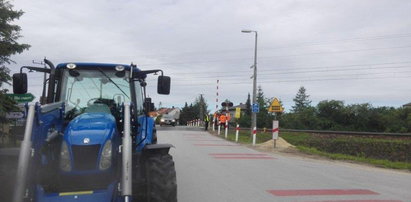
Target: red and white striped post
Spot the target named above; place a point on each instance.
(216, 106)
(219, 128)
(226, 129)
(237, 130)
(254, 135)
(275, 131)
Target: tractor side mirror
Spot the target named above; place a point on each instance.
(19, 83)
(163, 85)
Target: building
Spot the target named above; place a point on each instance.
(243, 108)
(407, 105)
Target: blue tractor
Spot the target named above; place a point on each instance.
(91, 137)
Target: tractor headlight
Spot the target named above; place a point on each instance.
(173, 120)
(65, 163)
(105, 160)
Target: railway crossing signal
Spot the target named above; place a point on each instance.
(275, 106)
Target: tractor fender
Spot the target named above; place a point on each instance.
(157, 149)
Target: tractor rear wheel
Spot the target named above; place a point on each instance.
(161, 182)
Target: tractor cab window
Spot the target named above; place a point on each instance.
(97, 90)
(139, 98)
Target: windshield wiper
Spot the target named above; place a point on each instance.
(112, 81)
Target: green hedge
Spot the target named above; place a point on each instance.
(389, 149)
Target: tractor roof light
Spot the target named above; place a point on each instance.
(120, 68)
(71, 66)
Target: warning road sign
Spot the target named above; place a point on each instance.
(275, 106)
(237, 112)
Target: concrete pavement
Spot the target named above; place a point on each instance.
(212, 169)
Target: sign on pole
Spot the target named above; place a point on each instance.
(14, 115)
(22, 98)
(255, 108)
(275, 106)
(237, 112)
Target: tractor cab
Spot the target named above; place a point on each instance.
(85, 136)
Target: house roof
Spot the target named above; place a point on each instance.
(407, 105)
(241, 105)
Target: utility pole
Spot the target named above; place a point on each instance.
(254, 113)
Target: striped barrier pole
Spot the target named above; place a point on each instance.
(254, 135)
(219, 128)
(237, 130)
(275, 131)
(226, 129)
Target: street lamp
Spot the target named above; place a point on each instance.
(254, 114)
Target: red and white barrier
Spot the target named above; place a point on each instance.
(275, 131)
(254, 135)
(226, 129)
(237, 130)
(219, 128)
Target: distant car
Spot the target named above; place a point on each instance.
(167, 120)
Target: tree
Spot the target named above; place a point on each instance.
(200, 106)
(248, 104)
(195, 110)
(301, 100)
(263, 118)
(9, 33)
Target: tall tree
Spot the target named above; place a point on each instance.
(9, 33)
(301, 100)
(248, 104)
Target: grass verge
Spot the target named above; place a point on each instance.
(300, 139)
(375, 162)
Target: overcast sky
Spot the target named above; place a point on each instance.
(356, 51)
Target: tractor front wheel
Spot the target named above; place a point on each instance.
(161, 182)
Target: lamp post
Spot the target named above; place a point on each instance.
(254, 114)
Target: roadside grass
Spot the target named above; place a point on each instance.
(245, 137)
(375, 162)
(300, 139)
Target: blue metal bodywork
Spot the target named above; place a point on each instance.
(145, 132)
(98, 128)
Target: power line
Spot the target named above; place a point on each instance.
(303, 68)
(275, 56)
(303, 44)
(274, 72)
(304, 80)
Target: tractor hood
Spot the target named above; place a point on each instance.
(90, 129)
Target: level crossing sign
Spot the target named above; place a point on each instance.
(275, 106)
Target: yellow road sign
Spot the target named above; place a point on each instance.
(237, 112)
(275, 106)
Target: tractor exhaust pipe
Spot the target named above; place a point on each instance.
(24, 158)
(126, 186)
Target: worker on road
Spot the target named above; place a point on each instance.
(222, 119)
(206, 121)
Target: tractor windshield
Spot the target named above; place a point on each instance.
(82, 90)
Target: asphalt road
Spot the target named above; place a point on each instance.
(212, 169)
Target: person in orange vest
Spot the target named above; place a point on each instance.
(222, 119)
(215, 119)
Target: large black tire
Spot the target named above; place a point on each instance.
(161, 185)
